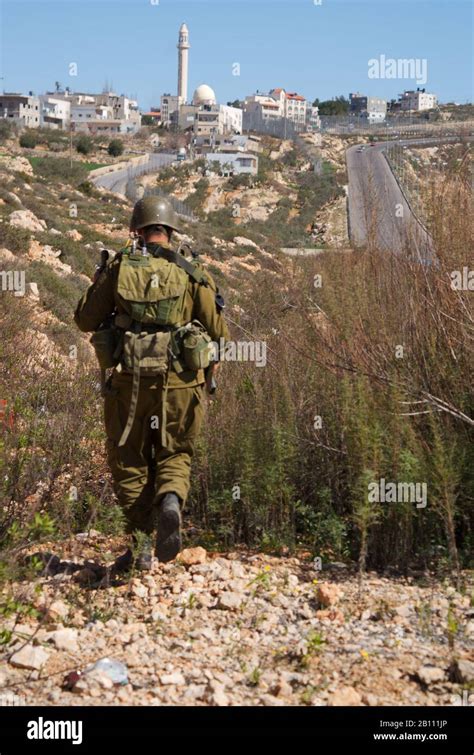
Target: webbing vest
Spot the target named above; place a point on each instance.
(151, 293)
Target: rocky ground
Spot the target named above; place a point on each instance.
(236, 628)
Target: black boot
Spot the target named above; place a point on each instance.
(168, 524)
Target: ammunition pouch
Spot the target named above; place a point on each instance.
(147, 351)
(107, 347)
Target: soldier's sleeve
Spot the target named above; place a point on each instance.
(207, 308)
(98, 302)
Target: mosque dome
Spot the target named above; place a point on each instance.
(204, 95)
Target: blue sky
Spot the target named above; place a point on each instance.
(317, 50)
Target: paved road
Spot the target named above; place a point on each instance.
(378, 211)
(116, 181)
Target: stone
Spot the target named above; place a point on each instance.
(429, 674)
(218, 696)
(138, 589)
(404, 611)
(28, 220)
(34, 293)
(6, 255)
(332, 614)
(195, 692)
(30, 657)
(17, 165)
(328, 595)
(243, 241)
(192, 556)
(282, 689)
(91, 679)
(345, 696)
(369, 699)
(65, 639)
(74, 235)
(58, 610)
(229, 601)
(175, 677)
(461, 671)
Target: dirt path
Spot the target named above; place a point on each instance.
(237, 628)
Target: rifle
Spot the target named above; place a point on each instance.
(104, 258)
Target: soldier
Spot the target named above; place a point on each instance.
(154, 313)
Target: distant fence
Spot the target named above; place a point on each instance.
(283, 128)
(135, 192)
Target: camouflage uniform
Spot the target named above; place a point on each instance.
(154, 460)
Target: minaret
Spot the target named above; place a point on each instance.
(183, 47)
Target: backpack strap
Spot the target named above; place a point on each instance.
(182, 262)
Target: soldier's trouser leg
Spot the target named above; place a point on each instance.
(142, 469)
(184, 416)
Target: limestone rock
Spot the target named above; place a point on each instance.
(192, 556)
(74, 235)
(58, 610)
(429, 674)
(27, 219)
(345, 696)
(65, 639)
(230, 601)
(30, 657)
(328, 595)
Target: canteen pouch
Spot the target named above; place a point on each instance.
(195, 346)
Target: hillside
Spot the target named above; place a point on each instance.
(283, 466)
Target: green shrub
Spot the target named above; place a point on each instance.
(28, 140)
(17, 240)
(115, 148)
(84, 144)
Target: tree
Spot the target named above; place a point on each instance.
(336, 106)
(28, 140)
(235, 103)
(115, 148)
(84, 144)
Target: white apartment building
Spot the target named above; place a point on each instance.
(278, 104)
(88, 111)
(263, 105)
(22, 109)
(419, 100)
(292, 105)
(230, 119)
(54, 112)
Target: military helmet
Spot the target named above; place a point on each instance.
(154, 210)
